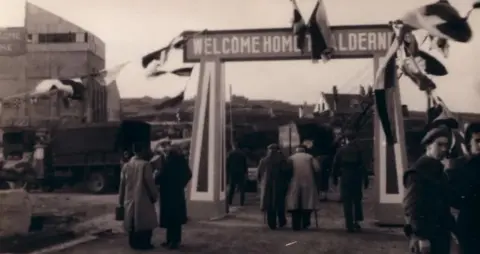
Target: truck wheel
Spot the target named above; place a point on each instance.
(97, 183)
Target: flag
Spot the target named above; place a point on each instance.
(476, 4)
(110, 75)
(183, 72)
(321, 38)
(299, 27)
(439, 19)
(171, 102)
(151, 62)
(73, 88)
(440, 44)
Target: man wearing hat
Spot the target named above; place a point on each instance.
(464, 179)
(302, 196)
(429, 222)
(348, 163)
(273, 186)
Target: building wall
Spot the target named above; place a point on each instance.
(80, 54)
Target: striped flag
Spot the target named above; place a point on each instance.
(441, 20)
(321, 37)
(152, 62)
(171, 102)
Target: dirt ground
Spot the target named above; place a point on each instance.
(244, 232)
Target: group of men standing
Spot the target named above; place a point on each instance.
(294, 184)
(433, 188)
(145, 179)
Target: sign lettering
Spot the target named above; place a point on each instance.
(13, 41)
(281, 44)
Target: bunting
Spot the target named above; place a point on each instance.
(154, 61)
(170, 102)
(110, 75)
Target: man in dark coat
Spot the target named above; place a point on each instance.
(429, 222)
(348, 163)
(273, 186)
(464, 180)
(237, 172)
(172, 179)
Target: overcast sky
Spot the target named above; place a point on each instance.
(131, 28)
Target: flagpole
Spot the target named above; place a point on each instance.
(231, 117)
(27, 103)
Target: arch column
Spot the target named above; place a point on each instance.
(206, 191)
(390, 161)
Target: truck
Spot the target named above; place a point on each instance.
(88, 154)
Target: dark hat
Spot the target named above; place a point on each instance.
(273, 147)
(441, 131)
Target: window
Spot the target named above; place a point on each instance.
(85, 37)
(57, 38)
(29, 37)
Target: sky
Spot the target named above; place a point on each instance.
(131, 29)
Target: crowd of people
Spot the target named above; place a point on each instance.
(293, 185)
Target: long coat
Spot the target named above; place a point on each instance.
(348, 164)
(138, 195)
(427, 199)
(273, 181)
(464, 181)
(174, 175)
(302, 190)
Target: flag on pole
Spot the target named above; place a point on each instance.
(73, 88)
(439, 19)
(321, 37)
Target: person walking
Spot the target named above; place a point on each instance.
(137, 196)
(273, 186)
(237, 172)
(302, 195)
(429, 222)
(348, 164)
(172, 178)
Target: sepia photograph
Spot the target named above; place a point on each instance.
(239, 126)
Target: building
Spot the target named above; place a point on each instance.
(57, 48)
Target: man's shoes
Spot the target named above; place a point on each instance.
(174, 246)
(350, 230)
(146, 247)
(357, 227)
(165, 244)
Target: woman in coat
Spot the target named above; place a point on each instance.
(273, 186)
(172, 179)
(138, 195)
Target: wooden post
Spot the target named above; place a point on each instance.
(206, 191)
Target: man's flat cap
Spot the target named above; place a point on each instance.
(441, 131)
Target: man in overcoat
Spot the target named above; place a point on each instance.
(348, 164)
(429, 222)
(237, 173)
(273, 186)
(302, 195)
(138, 195)
(464, 180)
(172, 178)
